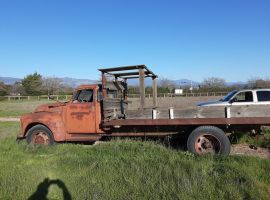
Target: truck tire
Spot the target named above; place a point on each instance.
(208, 139)
(39, 135)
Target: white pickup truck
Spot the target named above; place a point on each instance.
(241, 97)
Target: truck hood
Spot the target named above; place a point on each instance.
(52, 107)
(214, 103)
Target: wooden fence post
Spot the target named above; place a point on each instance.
(142, 88)
(154, 86)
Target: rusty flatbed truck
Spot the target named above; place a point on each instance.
(98, 111)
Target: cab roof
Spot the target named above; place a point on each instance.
(128, 72)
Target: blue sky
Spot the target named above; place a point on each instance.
(192, 39)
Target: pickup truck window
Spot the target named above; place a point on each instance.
(263, 95)
(84, 96)
(229, 96)
(244, 97)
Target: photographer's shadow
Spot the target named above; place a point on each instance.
(43, 189)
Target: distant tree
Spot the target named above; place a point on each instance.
(55, 86)
(166, 85)
(258, 83)
(3, 89)
(148, 90)
(213, 84)
(52, 85)
(16, 89)
(32, 84)
(66, 90)
(133, 89)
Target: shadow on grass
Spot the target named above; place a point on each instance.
(176, 142)
(43, 189)
(238, 137)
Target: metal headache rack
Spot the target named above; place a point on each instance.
(132, 72)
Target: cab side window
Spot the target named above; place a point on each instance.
(84, 96)
(263, 96)
(244, 97)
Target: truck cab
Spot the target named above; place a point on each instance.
(76, 120)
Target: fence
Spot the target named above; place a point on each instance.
(67, 97)
(35, 98)
(164, 95)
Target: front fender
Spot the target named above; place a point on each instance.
(51, 120)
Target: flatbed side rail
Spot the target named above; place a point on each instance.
(190, 121)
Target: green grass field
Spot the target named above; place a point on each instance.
(18, 108)
(124, 170)
(262, 140)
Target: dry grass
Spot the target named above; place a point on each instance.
(176, 102)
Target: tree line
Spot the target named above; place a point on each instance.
(35, 85)
(211, 84)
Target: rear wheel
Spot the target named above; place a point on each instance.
(208, 139)
(39, 135)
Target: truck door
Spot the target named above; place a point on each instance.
(80, 115)
(244, 98)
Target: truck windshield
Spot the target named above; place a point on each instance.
(85, 95)
(229, 96)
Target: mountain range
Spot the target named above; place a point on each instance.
(74, 82)
(9, 80)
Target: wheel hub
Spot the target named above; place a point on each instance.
(40, 137)
(207, 144)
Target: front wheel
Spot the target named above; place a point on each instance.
(208, 139)
(39, 135)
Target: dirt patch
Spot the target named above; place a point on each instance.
(176, 102)
(9, 119)
(249, 150)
